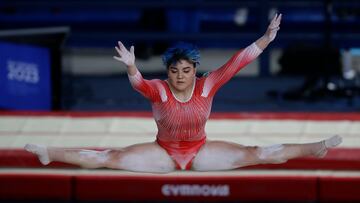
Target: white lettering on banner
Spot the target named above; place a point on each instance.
(195, 190)
(23, 72)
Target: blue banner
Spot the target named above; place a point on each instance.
(25, 77)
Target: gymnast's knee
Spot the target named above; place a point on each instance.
(273, 154)
(112, 158)
(95, 159)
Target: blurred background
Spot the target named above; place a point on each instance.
(57, 55)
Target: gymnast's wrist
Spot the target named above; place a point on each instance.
(266, 38)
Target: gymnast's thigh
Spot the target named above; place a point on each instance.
(144, 157)
(222, 155)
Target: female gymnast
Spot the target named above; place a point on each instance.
(181, 106)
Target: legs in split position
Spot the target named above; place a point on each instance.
(214, 155)
(219, 155)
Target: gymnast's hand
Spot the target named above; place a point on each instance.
(273, 28)
(125, 56)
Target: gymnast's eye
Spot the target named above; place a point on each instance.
(186, 70)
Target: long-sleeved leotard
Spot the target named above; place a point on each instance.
(181, 125)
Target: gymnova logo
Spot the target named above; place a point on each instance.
(195, 190)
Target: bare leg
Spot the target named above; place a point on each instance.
(282, 153)
(218, 155)
(81, 157)
(146, 157)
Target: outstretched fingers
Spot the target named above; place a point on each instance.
(275, 22)
(121, 50)
(273, 27)
(278, 19)
(124, 55)
(132, 50)
(117, 58)
(121, 46)
(120, 54)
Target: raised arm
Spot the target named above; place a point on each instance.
(240, 59)
(147, 88)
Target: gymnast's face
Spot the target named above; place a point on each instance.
(181, 76)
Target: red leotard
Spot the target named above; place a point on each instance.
(181, 125)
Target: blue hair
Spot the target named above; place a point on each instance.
(181, 51)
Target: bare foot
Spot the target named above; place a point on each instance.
(39, 150)
(328, 143)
